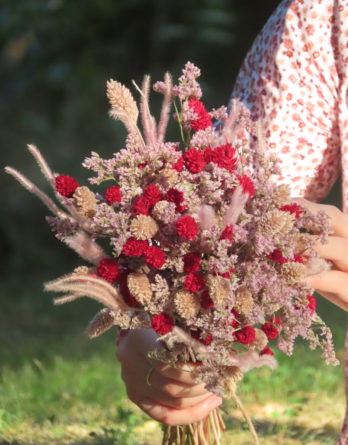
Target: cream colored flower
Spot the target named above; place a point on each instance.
(293, 272)
(81, 270)
(260, 341)
(244, 301)
(139, 286)
(169, 176)
(281, 195)
(187, 304)
(276, 222)
(219, 288)
(85, 202)
(143, 227)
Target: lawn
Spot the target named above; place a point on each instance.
(58, 387)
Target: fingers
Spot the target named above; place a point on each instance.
(333, 285)
(165, 399)
(335, 250)
(184, 373)
(173, 417)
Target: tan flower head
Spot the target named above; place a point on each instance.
(293, 272)
(161, 208)
(139, 286)
(231, 376)
(85, 202)
(276, 222)
(187, 304)
(244, 301)
(260, 341)
(168, 177)
(81, 270)
(219, 288)
(143, 227)
(281, 194)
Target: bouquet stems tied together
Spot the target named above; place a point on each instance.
(207, 247)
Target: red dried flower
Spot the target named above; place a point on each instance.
(187, 227)
(179, 165)
(203, 120)
(162, 323)
(209, 155)
(270, 330)
(298, 259)
(192, 262)
(312, 303)
(153, 194)
(134, 247)
(228, 274)
(176, 196)
(197, 336)
(246, 335)
(275, 320)
(224, 157)
(294, 208)
(247, 184)
(206, 301)
(66, 185)
(194, 282)
(141, 166)
(141, 206)
(194, 160)
(108, 269)
(113, 194)
(266, 351)
(277, 257)
(155, 257)
(227, 233)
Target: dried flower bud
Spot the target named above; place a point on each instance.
(164, 211)
(85, 202)
(244, 301)
(281, 195)
(102, 322)
(81, 270)
(219, 288)
(276, 222)
(293, 272)
(168, 177)
(143, 227)
(187, 304)
(231, 376)
(139, 286)
(260, 341)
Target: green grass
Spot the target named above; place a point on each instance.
(58, 387)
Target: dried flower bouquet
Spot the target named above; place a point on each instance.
(206, 247)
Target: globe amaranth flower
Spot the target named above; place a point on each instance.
(162, 323)
(113, 194)
(179, 165)
(266, 351)
(203, 120)
(277, 257)
(155, 257)
(247, 184)
(177, 197)
(223, 156)
(270, 330)
(194, 282)
(192, 262)
(227, 233)
(294, 209)
(108, 269)
(312, 303)
(153, 194)
(66, 185)
(134, 247)
(246, 335)
(141, 205)
(194, 160)
(187, 227)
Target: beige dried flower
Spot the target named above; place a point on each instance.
(231, 376)
(143, 227)
(187, 304)
(281, 194)
(276, 222)
(293, 272)
(102, 322)
(85, 202)
(161, 208)
(139, 286)
(123, 105)
(81, 270)
(260, 341)
(168, 176)
(244, 301)
(219, 288)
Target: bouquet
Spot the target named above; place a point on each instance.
(206, 247)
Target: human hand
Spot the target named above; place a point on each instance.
(332, 284)
(172, 397)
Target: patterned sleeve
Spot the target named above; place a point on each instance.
(295, 80)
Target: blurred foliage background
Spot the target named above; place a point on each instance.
(55, 58)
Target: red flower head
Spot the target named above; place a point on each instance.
(298, 259)
(294, 208)
(266, 351)
(206, 301)
(228, 274)
(209, 155)
(194, 282)
(246, 335)
(142, 166)
(113, 194)
(162, 323)
(177, 197)
(66, 185)
(312, 303)
(227, 233)
(224, 157)
(141, 205)
(152, 194)
(277, 257)
(179, 165)
(197, 336)
(187, 227)
(134, 247)
(192, 262)
(203, 118)
(194, 160)
(270, 330)
(155, 257)
(108, 269)
(235, 321)
(247, 184)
